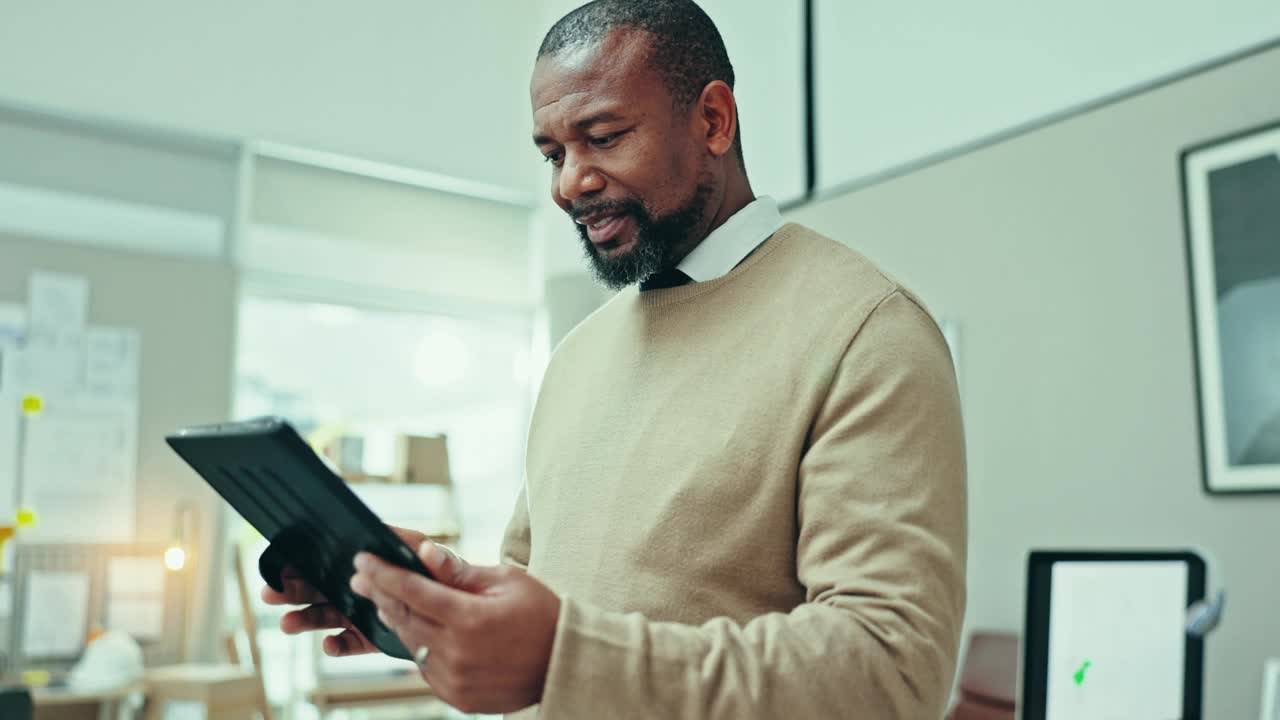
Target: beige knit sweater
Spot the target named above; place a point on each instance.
(750, 493)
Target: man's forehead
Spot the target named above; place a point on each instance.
(582, 74)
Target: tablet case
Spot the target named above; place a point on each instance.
(314, 522)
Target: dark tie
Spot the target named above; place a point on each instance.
(665, 279)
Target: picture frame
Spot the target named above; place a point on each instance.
(1231, 207)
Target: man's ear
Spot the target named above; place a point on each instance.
(717, 116)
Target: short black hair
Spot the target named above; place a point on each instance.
(685, 46)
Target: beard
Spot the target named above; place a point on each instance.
(660, 241)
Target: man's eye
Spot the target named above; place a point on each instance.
(604, 140)
(555, 159)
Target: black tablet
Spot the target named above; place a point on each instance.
(312, 519)
(1105, 636)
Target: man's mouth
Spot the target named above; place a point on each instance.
(604, 229)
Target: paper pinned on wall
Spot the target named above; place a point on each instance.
(184, 710)
(111, 361)
(135, 576)
(52, 368)
(13, 331)
(8, 356)
(57, 310)
(56, 604)
(58, 305)
(6, 600)
(78, 467)
(140, 617)
(13, 323)
(10, 422)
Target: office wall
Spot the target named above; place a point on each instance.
(433, 85)
(900, 81)
(186, 174)
(184, 310)
(1060, 254)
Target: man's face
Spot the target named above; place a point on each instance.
(626, 165)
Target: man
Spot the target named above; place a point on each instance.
(745, 479)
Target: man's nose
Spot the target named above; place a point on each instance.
(579, 178)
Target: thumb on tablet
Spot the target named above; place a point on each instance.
(449, 569)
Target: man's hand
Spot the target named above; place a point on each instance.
(319, 614)
(489, 630)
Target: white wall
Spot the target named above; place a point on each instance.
(442, 86)
(431, 84)
(1061, 255)
(898, 81)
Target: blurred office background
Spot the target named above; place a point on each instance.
(333, 212)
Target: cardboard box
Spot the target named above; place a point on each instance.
(422, 459)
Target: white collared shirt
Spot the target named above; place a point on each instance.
(729, 244)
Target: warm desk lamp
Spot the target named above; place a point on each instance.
(178, 553)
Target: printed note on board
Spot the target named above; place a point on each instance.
(57, 614)
(111, 361)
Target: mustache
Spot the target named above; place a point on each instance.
(629, 205)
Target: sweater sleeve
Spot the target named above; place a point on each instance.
(880, 551)
(515, 541)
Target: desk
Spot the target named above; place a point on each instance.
(64, 704)
(225, 692)
(369, 692)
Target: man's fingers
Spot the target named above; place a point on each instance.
(296, 592)
(412, 629)
(447, 567)
(347, 642)
(315, 617)
(423, 597)
(412, 538)
(403, 621)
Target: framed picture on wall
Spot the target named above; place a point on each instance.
(1231, 191)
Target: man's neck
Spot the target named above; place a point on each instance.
(737, 195)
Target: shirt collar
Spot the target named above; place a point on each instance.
(732, 242)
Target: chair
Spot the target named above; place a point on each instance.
(988, 678)
(250, 622)
(15, 704)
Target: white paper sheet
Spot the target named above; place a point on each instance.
(13, 322)
(8, 360)
(6, 600)
(51, 368)
(57, 309)
(135, 576)
(78, 471)
(111, 361)
(140, 617)
(56, 606)
(58, 304)
(10, 405)
(184, 710)
(9, 556)
(13, 328)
